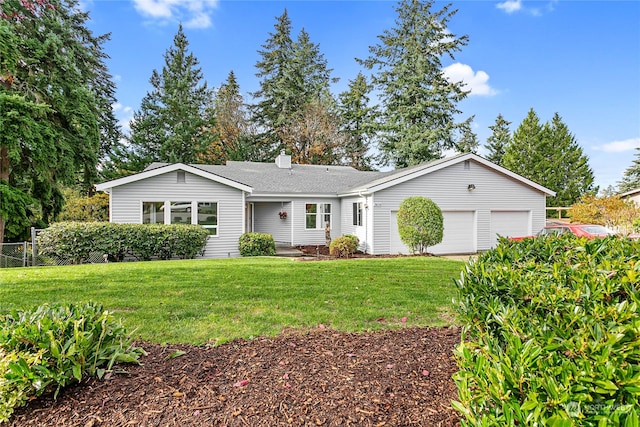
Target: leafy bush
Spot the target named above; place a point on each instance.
(344, 246)
(52, 346)
(257, 244)
(79, 207)
(76, 241)
(552, 328)
(420, 223)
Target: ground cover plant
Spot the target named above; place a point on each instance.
(50, 347)
(553, 328)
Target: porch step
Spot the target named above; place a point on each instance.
(287, 251)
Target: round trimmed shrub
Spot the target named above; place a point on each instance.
(257, 244)
(420, 223)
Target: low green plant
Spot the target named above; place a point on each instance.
(344, 246)
(50, 347)
(257, 244)
(552, 328)
(76, 241)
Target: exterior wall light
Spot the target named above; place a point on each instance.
(471, 187)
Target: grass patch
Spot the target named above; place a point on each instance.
(214, 301)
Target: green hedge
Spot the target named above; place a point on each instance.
(76, 241)
(257, 244)
(552, 330)
(50, 347)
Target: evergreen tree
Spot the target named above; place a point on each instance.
(358, 118)
(55, 109)
(522, 152)
(569, 173)
(468, 142)
(233, 127)
(550, 156)
(631, 178)
(175, 122)
(293, 75)
(417, 120)
(499, 140)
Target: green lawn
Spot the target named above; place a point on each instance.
(200, 301)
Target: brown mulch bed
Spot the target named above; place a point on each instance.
(316, 378)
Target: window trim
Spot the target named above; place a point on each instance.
(358, 208)
(319, 215)
(192, 209)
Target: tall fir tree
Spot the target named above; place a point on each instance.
(175, 122)
(55, 109)
(631, 178)
(520, 154)
(233, 127)
(499, 140)
(569, 173)
(550, 156)
(418, 104)
(357, 120)
(293, 74)
(468, 140)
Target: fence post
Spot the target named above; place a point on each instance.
(24, 254)
(34, 247)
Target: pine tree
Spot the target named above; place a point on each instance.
(550, 156)
(522, 152)
(499, 140)
(233, 128)
(293, 75)
(358, 119)
(55, 109)
(175, 122)
(569, 173)
(418, 111)
(468, 142)
(631, 178)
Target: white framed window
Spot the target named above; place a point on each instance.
(317, 215)
(208, 216)
(153, 212)
(357, 213)
(204, 214)
(180, 213)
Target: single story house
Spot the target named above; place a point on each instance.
(633, 195)
(479, 200)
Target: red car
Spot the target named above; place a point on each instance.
(589, 231)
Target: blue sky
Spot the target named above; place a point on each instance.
(578, 58)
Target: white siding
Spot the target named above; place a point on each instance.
(362, 231)
(126, 205)
(267, 220)
(448, 188)
(458, 237)
(302, 236)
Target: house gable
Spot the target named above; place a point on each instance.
(408, 174)
(150, 173)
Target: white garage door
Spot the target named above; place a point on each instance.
(509, 224)
(459, 234)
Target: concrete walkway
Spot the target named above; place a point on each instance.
(287, 251)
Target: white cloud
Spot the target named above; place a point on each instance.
(193, 13)
(124, 115)
(619, 146)
(476, 82)
(510, 6)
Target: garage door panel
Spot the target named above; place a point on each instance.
(459, 235)
(509, 224)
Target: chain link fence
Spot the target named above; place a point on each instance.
(25, 254)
